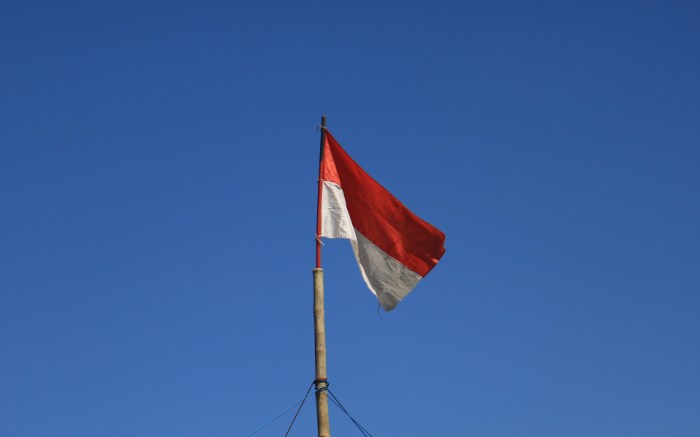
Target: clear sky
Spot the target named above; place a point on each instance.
(157, 190)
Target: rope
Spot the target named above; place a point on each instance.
(331, 396)
(321, 380)
(280, 415)
(342, 408)
(297, 413)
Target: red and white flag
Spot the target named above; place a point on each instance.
(394, 248)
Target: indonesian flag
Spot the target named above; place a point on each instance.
(394, 248)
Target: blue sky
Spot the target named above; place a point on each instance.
(158, 178)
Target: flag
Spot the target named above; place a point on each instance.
(394, 248)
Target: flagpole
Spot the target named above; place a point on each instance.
(321, 381)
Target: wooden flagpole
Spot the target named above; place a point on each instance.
(321, 381)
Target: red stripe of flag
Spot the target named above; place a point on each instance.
(379, 216)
